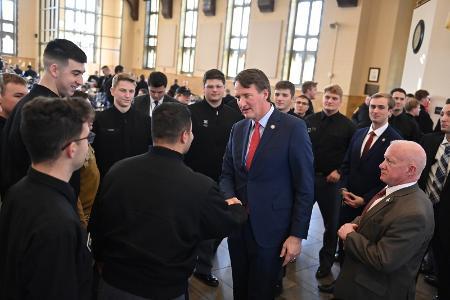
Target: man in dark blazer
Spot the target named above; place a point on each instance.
(268, 165)
(157, 83)
(437, 148)
(360, 172)
(385, 245)
(151, 213)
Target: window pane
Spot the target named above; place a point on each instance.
(194, 23)
(90, 6)
(299, 44)
(245, 20)
(238, 2)
(190, 5)
(311, 45)
(237, 21)
(90, 23)
(232, 63)
(154, 5)
(186, 54)
(8, 27)
(81, 4)
(302, 18)
(187, 42)
(8, 10)
(241, 62)
(152, 42)
(69, 20)
(70, 3)
(8, 44)
(316, 13)
(234, 43)
(309, 67)
(189, 23)
(296, 68)
(243, 44)
(153, 30)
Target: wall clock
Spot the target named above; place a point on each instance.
(418, 34)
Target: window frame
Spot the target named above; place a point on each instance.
(148, 36)
(193, 37)
(12, 34)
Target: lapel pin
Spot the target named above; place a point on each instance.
(383, 140)
(272, 126)
(388, 199)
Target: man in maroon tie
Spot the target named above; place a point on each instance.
(385, 245)
(268, 166)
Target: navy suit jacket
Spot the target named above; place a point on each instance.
(361, 175)
(278, 190)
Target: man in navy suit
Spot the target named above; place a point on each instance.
(268, 165)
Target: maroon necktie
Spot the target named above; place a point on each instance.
(368, 143)
(378, 195)
(254, 142)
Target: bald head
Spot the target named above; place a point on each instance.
(404, 162)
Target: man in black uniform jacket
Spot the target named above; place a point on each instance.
(43, 252)
(151, 213)
(330, 133)
(64, 65)
(121, 131)
(405, 126)
(211, 125)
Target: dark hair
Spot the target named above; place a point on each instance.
(411, 104)
(409, 95)
(80, 94)
(157, 79)
(286, 85)
(105, 67)
(420, 94)
(61, 50)
(118, 69)
(183, 91)
(307, 85)
(6, 78)
(122, 77)
(254, 76)
(213, 74)
(390, 100)
(142, 77)
(50, 123)
(398, 90)
(169, 120)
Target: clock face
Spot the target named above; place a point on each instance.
(418, 36)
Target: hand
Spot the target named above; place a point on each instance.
(352, 200)
(346, 229)
(233, 200)
(291, 249)
(333, 177)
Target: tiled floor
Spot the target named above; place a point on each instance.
(300, 281)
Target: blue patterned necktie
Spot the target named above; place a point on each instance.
(440, 175)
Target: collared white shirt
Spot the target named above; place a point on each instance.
(152, 104)
(263, 123)
(390, 190)
(378, 133)
(439, 153)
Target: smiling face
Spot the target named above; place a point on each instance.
(123, 94)
(69, 77)
(253, 104)
(445, 120)
(283, 99)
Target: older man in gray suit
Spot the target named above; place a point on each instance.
(386, 244)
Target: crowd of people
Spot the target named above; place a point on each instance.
(129, 201)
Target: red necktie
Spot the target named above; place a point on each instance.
(368, 143)
(378, 195)
(254, 142)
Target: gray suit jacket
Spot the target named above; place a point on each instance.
(383, 256)
(142, 103)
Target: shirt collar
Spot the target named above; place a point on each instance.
(163, 151)
(263, 121)
(444, 141)
(392, 189)
(380, 130)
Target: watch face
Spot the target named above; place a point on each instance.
(418, 36)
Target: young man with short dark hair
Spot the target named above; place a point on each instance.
(43, 249)
(12, 89)
(283, 96)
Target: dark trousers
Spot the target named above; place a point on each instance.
(109, 292)
(326, 195)
(255, 269)
(205, 254)
(347, 215)
(441, 254)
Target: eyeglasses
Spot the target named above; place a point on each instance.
(90, 138)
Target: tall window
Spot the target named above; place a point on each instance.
(303, 39)
(94, 28)
(8, 31)
(151, 33)
(82, 21)
(236, 36)
(188, 35)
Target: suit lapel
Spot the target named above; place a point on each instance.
(246, 129)
(378, 143)
(388, 200)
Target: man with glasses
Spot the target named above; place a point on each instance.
(64, 65)
(43, 252)
(121, 130)
(405, 126)
(301, 106)
(211, 124)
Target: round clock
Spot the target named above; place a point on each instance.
(418, 34)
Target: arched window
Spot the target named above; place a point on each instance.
(188, 35)
(236, 36)
(151, 33)
(303, 40)
(8, 31)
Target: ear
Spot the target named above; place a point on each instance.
(412, 170)
(70, 150)
(111, 89)
(184, 137)
(54, 70)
